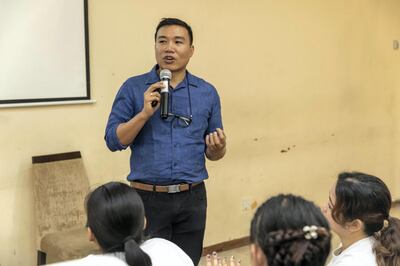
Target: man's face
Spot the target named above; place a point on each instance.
(172, 48)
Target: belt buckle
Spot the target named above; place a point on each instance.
(173, 188)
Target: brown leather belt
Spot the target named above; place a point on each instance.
(166, 189)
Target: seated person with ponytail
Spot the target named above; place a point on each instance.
(116, 222)
(288, 230)
(358, 212)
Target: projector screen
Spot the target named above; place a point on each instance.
(44, 55)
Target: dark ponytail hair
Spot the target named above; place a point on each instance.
(367, 198)
(387, 246)
(278, 229)
(115, 215)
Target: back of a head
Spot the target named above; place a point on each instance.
(367, 198)
(291, 231)
(115, 215)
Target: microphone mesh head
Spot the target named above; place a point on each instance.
(165, 74)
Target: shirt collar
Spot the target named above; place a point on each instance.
(360, 244)
(153, 78)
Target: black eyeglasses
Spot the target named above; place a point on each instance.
(183, 121)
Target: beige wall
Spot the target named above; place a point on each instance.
(391, 71)
(320, 77)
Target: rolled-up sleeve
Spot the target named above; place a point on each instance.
(215, 120)
(121, 112)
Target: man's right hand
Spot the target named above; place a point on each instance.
(127, 132)
(151, 95)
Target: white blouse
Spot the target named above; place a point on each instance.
(359, 253)
(162, 253)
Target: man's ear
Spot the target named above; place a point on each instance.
(145, 223)
(257, 256)
(192, 50)
(90, 235)
(355, 226)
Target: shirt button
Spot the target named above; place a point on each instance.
(175, 145)
(175, 164)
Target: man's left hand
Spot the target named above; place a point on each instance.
(216, 145)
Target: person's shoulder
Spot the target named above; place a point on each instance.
(138, 82)
(95, 260)
(138, 78)
(354, 258)
(362, 252)
(158, 242)
(353, 261)
(200, 82)
(166, 253)
(150, 76)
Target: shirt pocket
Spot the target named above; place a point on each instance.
(198, 128)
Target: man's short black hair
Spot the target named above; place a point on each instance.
(174, 21)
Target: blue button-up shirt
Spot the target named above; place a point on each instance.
(164, 152)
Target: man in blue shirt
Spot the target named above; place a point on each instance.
(168, 155)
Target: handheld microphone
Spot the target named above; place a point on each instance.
(165, 76)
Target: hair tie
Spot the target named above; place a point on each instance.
(128, 238)
(385, 224)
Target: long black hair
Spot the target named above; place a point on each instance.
(367, 198)
(115, 215)
(291, 231)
